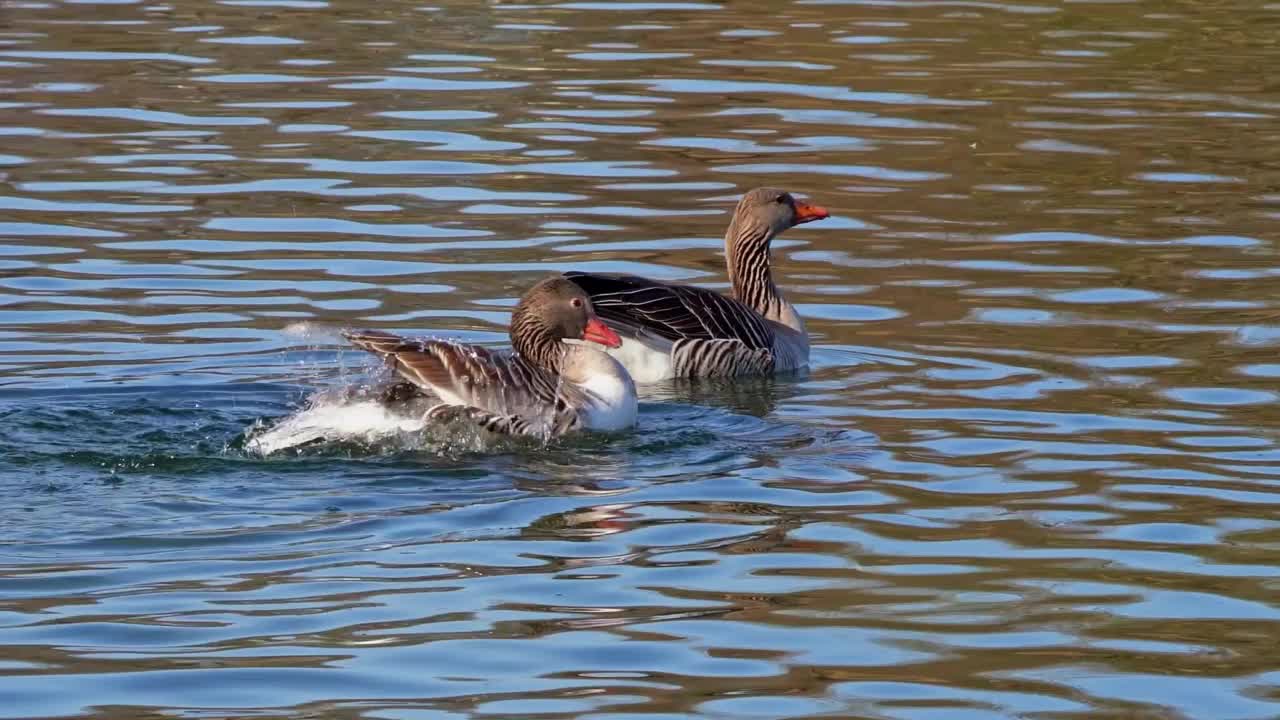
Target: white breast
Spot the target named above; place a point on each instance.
(615, 402)
(790, 348)
(646, 364)
(610, 402)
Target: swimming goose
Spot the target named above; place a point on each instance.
(556, 381)
(686, 331)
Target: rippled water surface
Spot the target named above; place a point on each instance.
(1033, 471)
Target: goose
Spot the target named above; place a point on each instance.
(556, 381)
(671, 330)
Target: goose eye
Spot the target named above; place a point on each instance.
(782, 199)
(576, 302)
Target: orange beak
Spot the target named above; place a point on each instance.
(597, 332)
(808, 213)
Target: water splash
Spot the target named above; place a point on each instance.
(357, 419)
(333, 418)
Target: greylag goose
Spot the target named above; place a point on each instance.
(685, 331)
(556, 381)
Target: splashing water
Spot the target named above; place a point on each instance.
(333, 418)
(355, 417)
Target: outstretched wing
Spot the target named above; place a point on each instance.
(636, 306)
(460, 374)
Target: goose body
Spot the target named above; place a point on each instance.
(670, 330)
(557, 380)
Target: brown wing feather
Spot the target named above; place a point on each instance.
(464, 374)
(445, 367)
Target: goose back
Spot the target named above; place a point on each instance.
(673, 312)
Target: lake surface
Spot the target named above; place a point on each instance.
(1032, 473)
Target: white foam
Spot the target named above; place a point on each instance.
(332, 419)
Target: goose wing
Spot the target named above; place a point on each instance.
(496, 384)
(504, 424)
(639, 306)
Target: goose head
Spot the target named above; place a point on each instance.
(554, 310)
(775, 210)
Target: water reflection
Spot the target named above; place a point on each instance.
(1031, 473)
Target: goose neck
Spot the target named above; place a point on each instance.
(534, 342)
(747, 249)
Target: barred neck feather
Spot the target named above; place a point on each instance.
(747, 249)
(533, 340)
